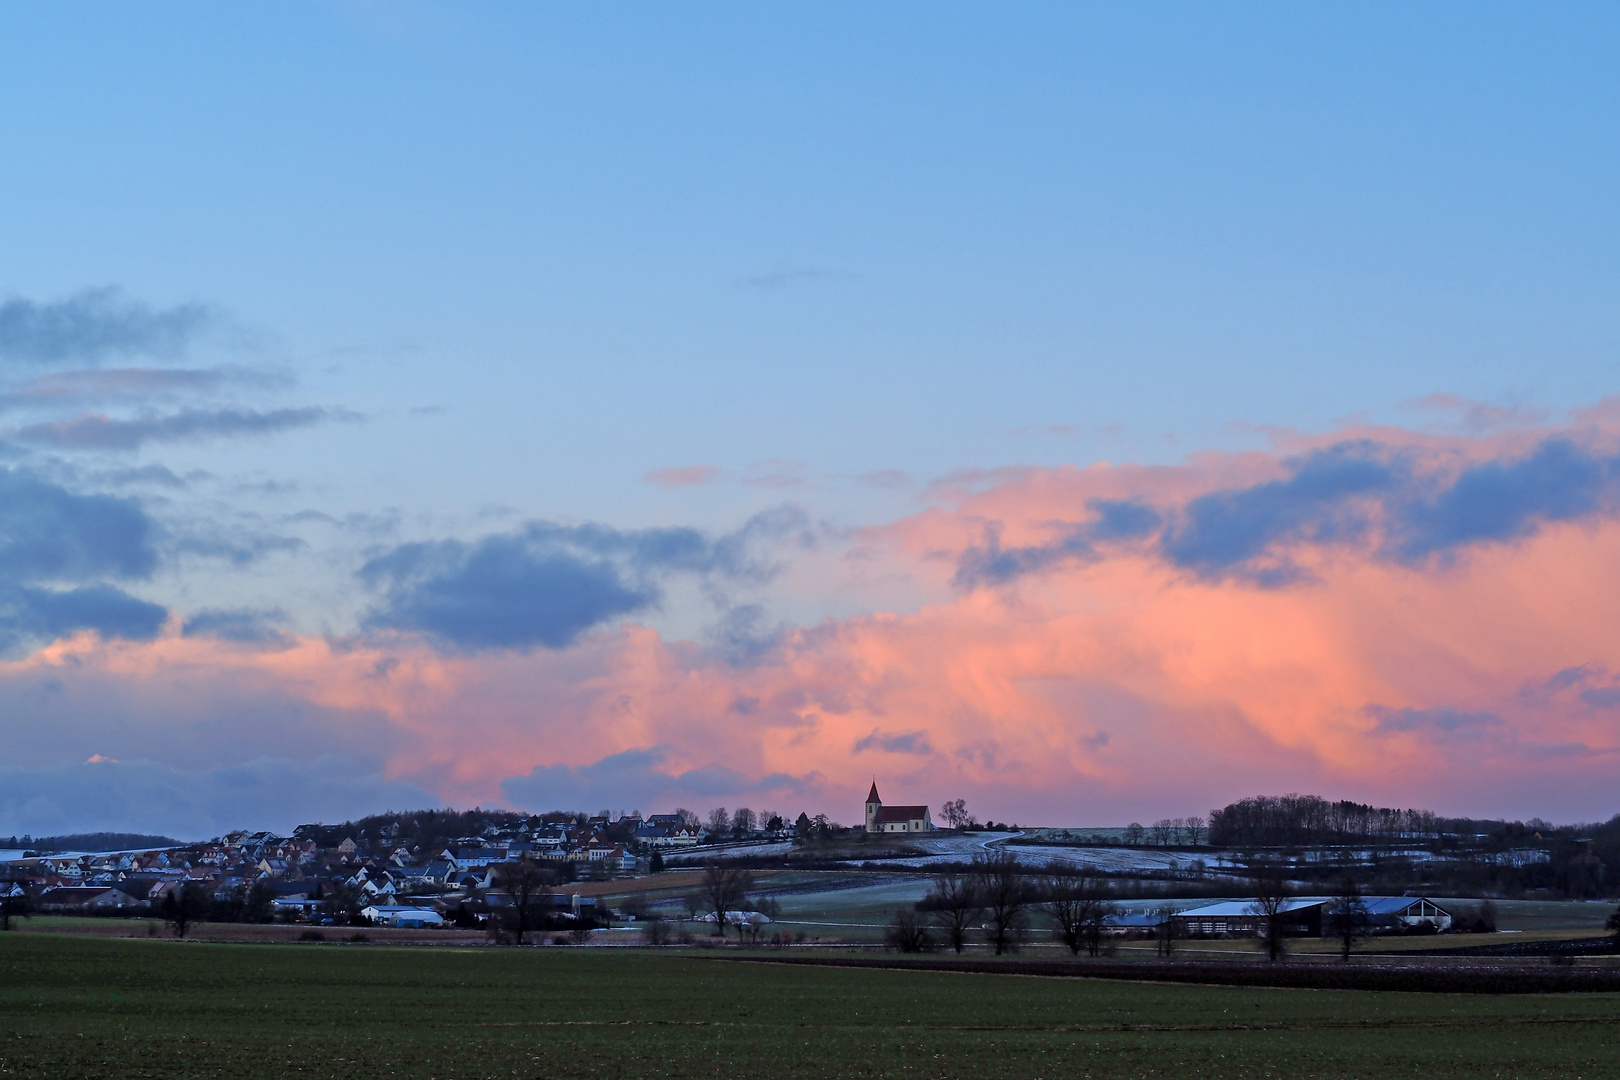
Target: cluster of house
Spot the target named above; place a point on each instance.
(297, 876)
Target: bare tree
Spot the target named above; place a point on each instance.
(259, 904)
(1167, 932)
(1005, 896)
(956, 906)
(1097, 920)
(954, 813)
(724, 888)
(1076, 902)
(687, 817)
(184, 906)
(14, 902)
(1347, 916)
(907, 932)
(525, 880)
(344, 902)
(719, 820)
(1133, 833)
(1194, 831)
(742, 822)
(1164, 832)
(1270, 904)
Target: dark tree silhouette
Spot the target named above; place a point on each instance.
(344, 902)
(525, 880)
(13, 904)
(1005, 896)
(1077, 901)
(1347, 916)
(1271, 895)
(724, 888)
(956, 907)
(186, 905)
(907, 932)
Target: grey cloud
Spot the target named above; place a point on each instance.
(1440, 724)
(95, 324)
(244, 626)
(94, 432)
(33, 612)
(50, 533)
(57, 548)
(546, 584)
(145, 796)
(1505, 500)
(1356, 493)
(1592, 684)
(632, 778)
(910, 742)
(1111, 521)
(155, 475)
(1233, 532)
(742, 634)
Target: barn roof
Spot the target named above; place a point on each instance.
(1228, 908)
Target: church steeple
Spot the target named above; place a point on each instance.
(872, 796)
(873, 805)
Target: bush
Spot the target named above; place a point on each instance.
(907, 932)
(313, 935)
(1475, 920)
(358, 938)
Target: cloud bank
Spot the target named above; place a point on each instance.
(1400, 617)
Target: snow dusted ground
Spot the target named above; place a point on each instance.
(956, 847)
(944, 847)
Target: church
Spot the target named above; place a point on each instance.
(894, 819)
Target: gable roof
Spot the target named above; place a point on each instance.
(901, 813)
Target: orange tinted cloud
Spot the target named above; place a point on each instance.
(1414, 619)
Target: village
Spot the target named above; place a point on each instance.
(322, 874)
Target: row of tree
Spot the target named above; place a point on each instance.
(996, 895)
(1282, 820)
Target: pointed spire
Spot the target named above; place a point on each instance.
(872, 797)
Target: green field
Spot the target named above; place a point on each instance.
(89, 1007)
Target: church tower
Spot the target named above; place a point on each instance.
(873, 805)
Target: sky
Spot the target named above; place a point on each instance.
(1097, 413)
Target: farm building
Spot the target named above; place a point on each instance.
(407, 917)
(1308, 916)
(1406, 913)
(1302, 917)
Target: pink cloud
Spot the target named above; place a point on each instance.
(682, 476)
(1446, 638)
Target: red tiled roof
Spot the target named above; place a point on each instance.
(902, 813)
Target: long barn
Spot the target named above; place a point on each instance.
(1307, 916)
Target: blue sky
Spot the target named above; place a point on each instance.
(908, 238)
(447, 270)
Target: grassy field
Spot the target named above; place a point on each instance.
(89, 1007)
